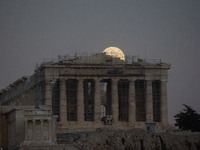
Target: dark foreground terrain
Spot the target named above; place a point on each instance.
(135, 139)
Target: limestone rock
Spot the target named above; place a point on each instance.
(137, 139)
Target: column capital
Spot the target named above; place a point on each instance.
(97, 79)
(48, 80)
(80, 80)
(149, 82)
(115, 79)
(132, 81)
(97, 83)
(62, 80)
(164, 80)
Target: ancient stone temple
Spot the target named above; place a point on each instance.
(86, 92)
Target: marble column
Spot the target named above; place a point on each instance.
(63, 101)
(132, 111)
(149, 102)
(50, 137)
(164, 105)
(26, 129)
(9, 132)
(33, 129)
(115, 107)
(48, 93)
(80, 101)
(97, 102)
(41, 123)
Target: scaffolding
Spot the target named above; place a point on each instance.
(140, 96)
(156, 89)
(56, 98)
(71, 92)
(89, 88)
(123, 99)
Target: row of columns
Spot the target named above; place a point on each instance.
(97, 111)
(34, 130)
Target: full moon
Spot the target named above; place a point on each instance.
(114, 52)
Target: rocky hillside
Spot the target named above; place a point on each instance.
(135, 139)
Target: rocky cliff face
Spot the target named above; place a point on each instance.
(135, 139)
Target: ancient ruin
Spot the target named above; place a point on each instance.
(85, 92)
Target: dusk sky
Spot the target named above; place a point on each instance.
(31, 30)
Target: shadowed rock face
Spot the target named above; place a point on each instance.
(135, 139)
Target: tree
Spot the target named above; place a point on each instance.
(189, 119)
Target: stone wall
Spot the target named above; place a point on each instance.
(134, 139)
(19, 93)
(26, 125)
(12, 125)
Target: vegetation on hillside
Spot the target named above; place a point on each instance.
(188, 119)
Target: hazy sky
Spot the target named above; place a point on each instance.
(31, 30)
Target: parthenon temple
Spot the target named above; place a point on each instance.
(85, 92)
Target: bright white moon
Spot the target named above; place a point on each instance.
(114, 52)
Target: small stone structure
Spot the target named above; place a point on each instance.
(27, 126)
(40, 125)
(104, 90)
